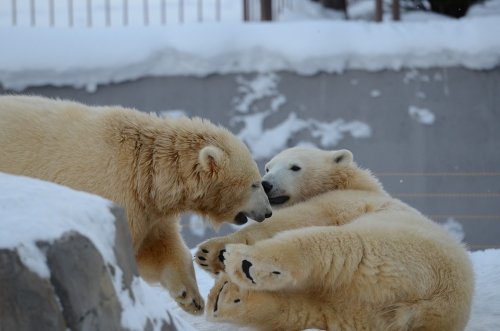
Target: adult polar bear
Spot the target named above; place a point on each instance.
(357, 259)
(155, 168)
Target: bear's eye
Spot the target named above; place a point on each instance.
(267, 169)
(295, 168)
(255, 185)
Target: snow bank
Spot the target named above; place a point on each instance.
(32, 210)
(89, 57)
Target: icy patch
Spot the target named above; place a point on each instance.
(260, 87)
(33, 258)
(171, 113)
(196, 225)
(264, 142)
(455, 228)
(331, 133)
(421, 115)
(420, 95)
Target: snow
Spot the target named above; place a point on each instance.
(304, 47)
(455, 228)
(422, 115)
(32, 210)
(56, 210)
(485, 313)
(260, 98)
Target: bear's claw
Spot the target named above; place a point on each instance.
(210, 255)
(248, 269)
(192, 304)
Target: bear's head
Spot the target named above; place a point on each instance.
(200, 167)
(300, 173)
(234, 190)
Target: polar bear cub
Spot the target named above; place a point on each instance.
(355, 259)
(155, 168)
(296, 175)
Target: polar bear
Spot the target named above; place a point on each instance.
(355, 259)
(296, 175)
(155, 168)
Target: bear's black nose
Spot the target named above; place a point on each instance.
(267, 186)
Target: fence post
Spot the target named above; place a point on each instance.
(71, 19)
(200, 11)
(217, 10)
(145, 10)
(266, 10)
(52, 20)
(107, 10)
(32, 13)
(379, 11)
(396, 12)
(246, 10)
(125, 12)
(14, 12)
(181, 11)
(89, 13)
(163, 14)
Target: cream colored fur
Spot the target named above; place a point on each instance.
(354, 259)
(155, 168)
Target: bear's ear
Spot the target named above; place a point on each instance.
(211, 158)
(342, 156)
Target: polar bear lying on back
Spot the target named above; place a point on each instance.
(155, 168)
(357, 259)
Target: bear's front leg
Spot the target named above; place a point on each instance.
(163, 257)
(296, 259)
(210, 254)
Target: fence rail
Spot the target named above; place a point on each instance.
(91, 13)
(107, 13)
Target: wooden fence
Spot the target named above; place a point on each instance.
(108, 13)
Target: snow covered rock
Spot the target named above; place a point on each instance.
(66, 262)
(80, 290)
(27, 301)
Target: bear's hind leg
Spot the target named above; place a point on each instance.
(227, 302)
(252, 268)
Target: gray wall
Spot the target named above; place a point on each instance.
(448, 169)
